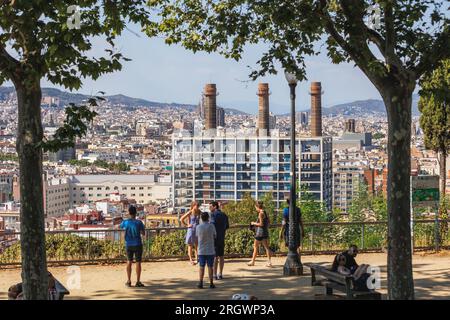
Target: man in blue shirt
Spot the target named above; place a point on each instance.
(133, 230)
(285, 224)
(220, 221)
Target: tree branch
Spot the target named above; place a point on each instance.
(8, 64)
(7, 2)
(359, 51)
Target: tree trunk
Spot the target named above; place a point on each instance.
(442, 156)
(400, 277)
(443, 226)
(30, 133)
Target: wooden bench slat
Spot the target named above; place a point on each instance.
(334, 280)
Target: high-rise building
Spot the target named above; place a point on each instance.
(302, 118)
(227, 165)
(348, 175)
(225, 168)
(272, 121)
(220, 116)
(350, 125)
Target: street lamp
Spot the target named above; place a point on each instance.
(293, 265)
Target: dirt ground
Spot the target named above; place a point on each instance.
(178, 279)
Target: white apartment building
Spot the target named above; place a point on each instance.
(348, 174)
(64, 193)
(142, 188)
(226, 166)
(56, 196)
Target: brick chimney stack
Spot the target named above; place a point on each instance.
(316, 109)
(210, 94)
(263, 108)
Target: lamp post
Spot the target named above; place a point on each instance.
(293, 265)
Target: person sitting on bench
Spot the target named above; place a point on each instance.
(350, 256)
(359, 274)
(15, 292)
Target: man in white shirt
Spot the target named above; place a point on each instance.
(206, 233)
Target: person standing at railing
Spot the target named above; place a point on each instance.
(220, 220)
(284, 232)
(193, 216)
(134, 229)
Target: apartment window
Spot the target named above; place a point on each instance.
(91, 188)
(141, 188)
(141, 194)
(124, 188)
(99, 194)
(99, 188)
(133, 188)
(133, 194)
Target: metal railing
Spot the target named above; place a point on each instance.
(168, 243)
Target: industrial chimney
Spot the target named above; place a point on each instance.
(210, 94)
(316, 109)
(263, 108)
(350, 126)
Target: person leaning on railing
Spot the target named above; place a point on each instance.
(284, 232)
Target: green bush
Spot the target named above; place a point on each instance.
(239, 241)
(169, 244)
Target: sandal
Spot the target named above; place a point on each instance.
(251, 263)
(128, 284)
(269, 265)
(139, 284)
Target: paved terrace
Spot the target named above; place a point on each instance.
(177, 279)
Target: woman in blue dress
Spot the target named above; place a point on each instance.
(191, 219)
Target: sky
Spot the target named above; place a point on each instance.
(163, 73)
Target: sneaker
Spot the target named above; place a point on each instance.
(139, 284)
(219, 277)
(212, 286)
(128, 284)
(200, 285)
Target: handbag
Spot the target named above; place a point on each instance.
(259, 232)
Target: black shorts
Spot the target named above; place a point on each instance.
(220, 248)
(261, 238)
(134, 251)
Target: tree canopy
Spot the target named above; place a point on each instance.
(435, 108)
(37, 41)
(412, 38)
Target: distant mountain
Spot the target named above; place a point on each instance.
(355, 108)
(119, 99)
(363, 108)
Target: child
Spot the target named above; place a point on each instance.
(206, 233)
